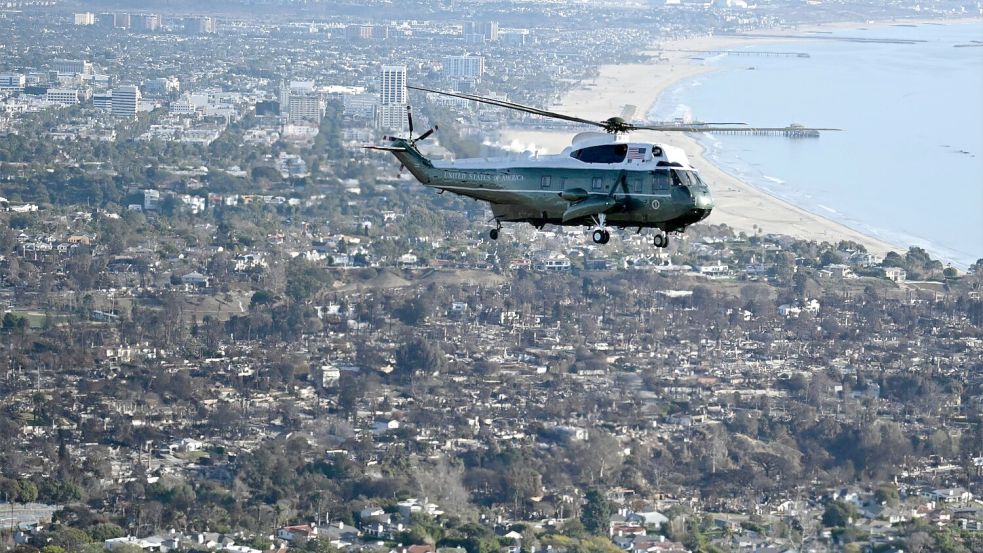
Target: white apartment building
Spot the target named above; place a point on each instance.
(86, 18)
(64, 96)
(126, 100)
(72, 67)
(392, 98)
(12, 81)
(464, 67)
(305, 106)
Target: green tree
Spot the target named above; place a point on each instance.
(71, 539)
(887, 494)
(304, 279)
(418, 355)
(27, 492)
(415, 310)
(893, 259)
(13, 321)
(596, 514)
(838, 514)
(105, 531)
(261, 297)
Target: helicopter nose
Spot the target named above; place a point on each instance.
(702, 199)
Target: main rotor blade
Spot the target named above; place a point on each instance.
(385, 148)
(708, 128)
(511, 105)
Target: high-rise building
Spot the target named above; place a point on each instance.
(392, 85)
(64, 96)
(72, 67)
(514, 37)
(305, 107)
(12, 81)
(146, 22)
(126, 100)
(123, 20)
(106, 20)
(103, 101)
(199, 25)
(392, 117)
(86, 18)
(464, 67)
(476, 32)
(360, 105)
(392, 97)
(469, 29)
(367, 32)
(162, 86)
(288, 88)
(488, 29)
(267, 108)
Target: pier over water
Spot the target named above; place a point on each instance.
(741, 53)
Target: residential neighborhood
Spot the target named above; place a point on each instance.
(226, 326)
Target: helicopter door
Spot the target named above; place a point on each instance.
(660, 182)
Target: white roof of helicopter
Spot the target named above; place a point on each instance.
(654, 153)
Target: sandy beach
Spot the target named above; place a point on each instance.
(738, 204)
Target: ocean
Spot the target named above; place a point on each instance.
(907, 169)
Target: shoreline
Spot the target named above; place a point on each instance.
(739, 204)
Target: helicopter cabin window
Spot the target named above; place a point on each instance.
(597, 183)
(606, 153)
(635, 185)
(545, 182)
(660, 181)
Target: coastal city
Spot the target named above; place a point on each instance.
(227, 325)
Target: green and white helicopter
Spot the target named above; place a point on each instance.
(601, 180)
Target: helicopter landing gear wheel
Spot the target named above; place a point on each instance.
(493, 233)
(661, 240)
(600, 234)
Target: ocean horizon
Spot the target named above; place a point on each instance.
(908, 167)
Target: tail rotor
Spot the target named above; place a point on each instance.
(409, 121)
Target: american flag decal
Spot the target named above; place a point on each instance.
(636, 152)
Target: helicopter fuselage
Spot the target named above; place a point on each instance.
(597, 180)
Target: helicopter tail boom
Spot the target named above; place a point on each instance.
(411, 158)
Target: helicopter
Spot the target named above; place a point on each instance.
(601, 180)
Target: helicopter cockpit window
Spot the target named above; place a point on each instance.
(607, 153)
(683, 178)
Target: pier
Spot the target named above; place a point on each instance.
(787, 132)
(742, 53)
